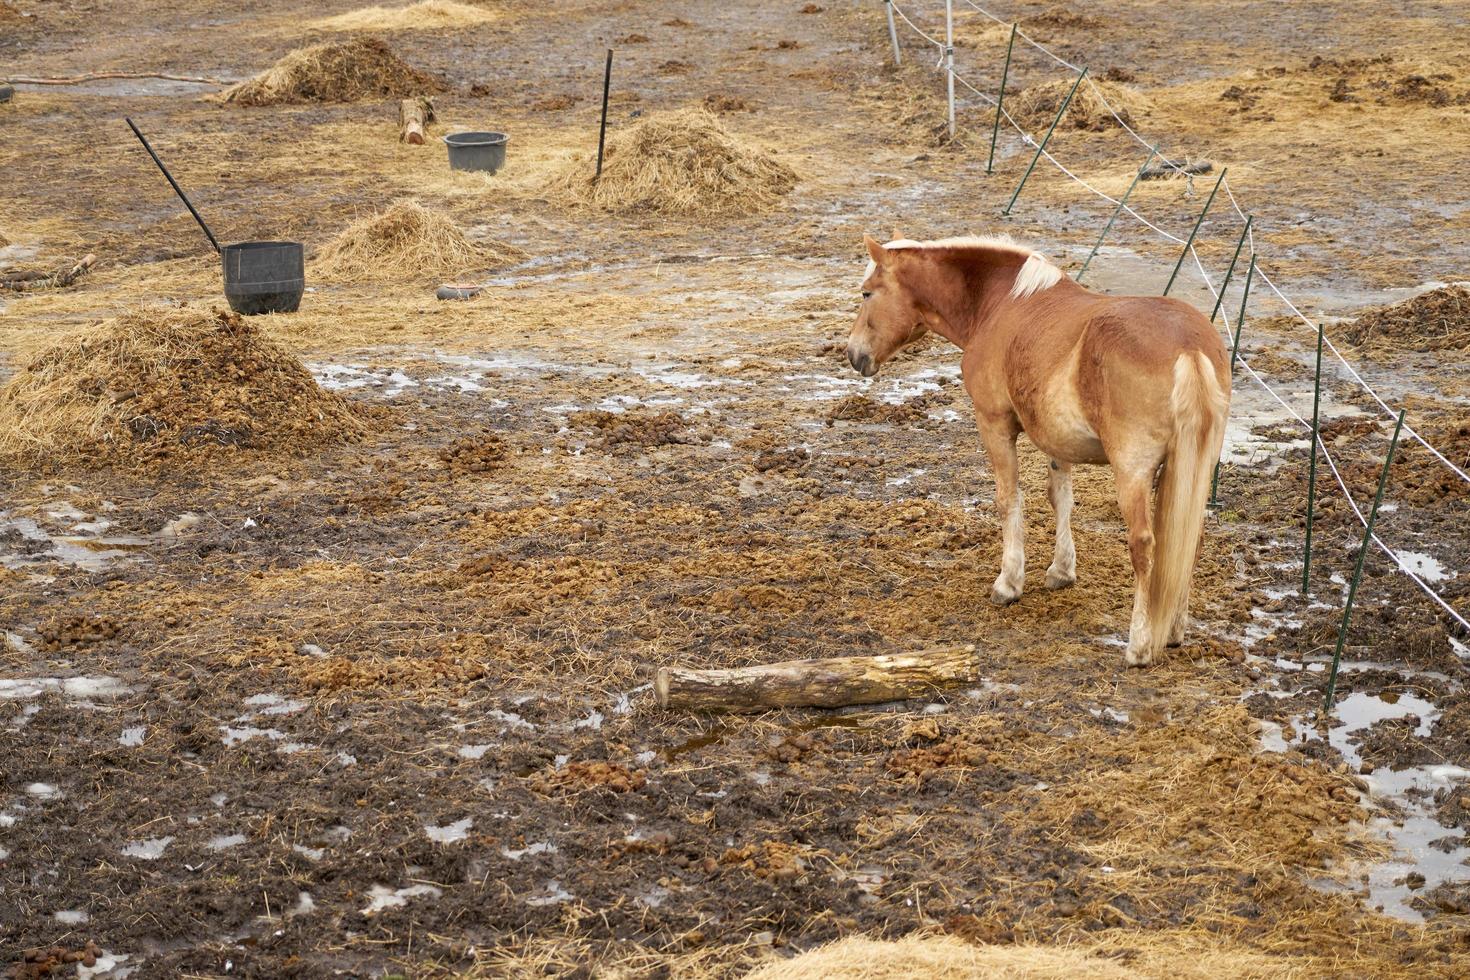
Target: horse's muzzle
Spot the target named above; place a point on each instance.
(862, 362)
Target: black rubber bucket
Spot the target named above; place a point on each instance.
(484, 152)
(264, 277)
(7, 91)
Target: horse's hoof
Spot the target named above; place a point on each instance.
(1055, 581)
(1175, 641)
(999, 598)
(1138, 658)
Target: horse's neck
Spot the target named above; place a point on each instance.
(965, 291)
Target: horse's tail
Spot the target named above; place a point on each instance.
(1200, 408)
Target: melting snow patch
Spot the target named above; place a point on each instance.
(70, 917)
(225, 842)
(310, 853)
(474, 751)
(450, 833)
(131, 738)
(555, 895)
(540, 847)
(43, 791)
(147, 850)
(382, 897)
(233, 736)
(273, 704)
(107, 965)
(1425, 566)
(100, 686)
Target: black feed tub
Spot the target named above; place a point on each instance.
(264, 277)
(484, 152)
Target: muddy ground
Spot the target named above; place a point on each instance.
(385, 708)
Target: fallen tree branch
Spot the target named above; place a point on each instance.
(101, 75)
(830, 683)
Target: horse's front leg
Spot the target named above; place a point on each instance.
(1063, 570)
(1000, 445)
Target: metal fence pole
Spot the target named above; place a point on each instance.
(1122, 203)
(892, 32)
(1245, 296)
(1041, 147)
(949, 58)
(1193, 232)
(1000, 100)
(1312, 468)
(1230, 272)
(1347, 610)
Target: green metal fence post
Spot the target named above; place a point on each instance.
(1347, 610)
(1194, 231)
(1122, 203)
(1245, 296)
(1312, 468)
(1224, 283)
(1000, 99)
(1041, 147)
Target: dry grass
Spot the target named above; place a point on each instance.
(408, 241)
(425, 15)
(681, 162)
(163, 383)
(347, 71)
(1037, 106)
(930, 957)
(1434, 321)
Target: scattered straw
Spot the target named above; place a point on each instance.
(1433, 321)
(1037, 106)
(408, 241)
(164, 383)
(680, 162)
(423, 16)
(363, 68)
(1130, 955)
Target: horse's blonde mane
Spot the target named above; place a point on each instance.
(1037, 272)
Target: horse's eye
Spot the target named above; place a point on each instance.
(866, 295)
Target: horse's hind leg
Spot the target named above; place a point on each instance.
(1133, 498)
(1001, 447)
(1063, 570)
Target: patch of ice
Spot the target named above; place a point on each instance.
(310, 853)
(71, 917)
(474, 751)
(1425, 566)
(225, 842)
(273, 704)
(108, 965)
(450, 833)
(508, 719)
(147, 850)
(131, 738)
(43, 791)
(100, 686)
(592, 721)
(234, 736)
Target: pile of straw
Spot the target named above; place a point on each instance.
(422, 16)
(170, 383)
(363, 68)
(682, 162)
(1037, 106)
(408, 242)
(1434, 321)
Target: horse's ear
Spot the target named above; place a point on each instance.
(875, 250)
(898, 236)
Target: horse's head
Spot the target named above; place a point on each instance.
(889, 318)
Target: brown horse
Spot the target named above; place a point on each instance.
(1142, 383)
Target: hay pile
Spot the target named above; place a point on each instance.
(363, 68)
(1037, 106)
(168, 384)
(408, 241)
(422, 16)
(1433, 321)
(681, 162)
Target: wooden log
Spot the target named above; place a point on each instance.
(830, 683)
(413, 116)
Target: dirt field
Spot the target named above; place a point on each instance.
(360, 686)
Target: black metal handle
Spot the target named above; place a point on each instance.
(174, 183)
(602, 130)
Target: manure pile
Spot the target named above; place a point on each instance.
(347, 71)
(1433, 321)
(1035, 107)
(682, 162)
(168, 383)
(408, 241)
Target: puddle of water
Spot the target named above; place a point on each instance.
(272, 704)
(555, 895)
(88, 554)
(450, 833)
(712, 737)
(540, 847)
(147, 850)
